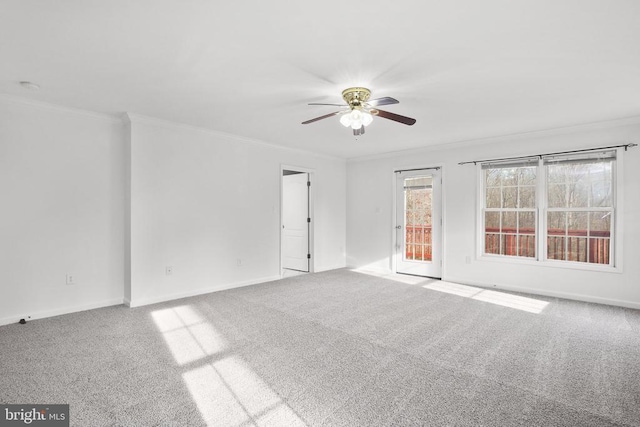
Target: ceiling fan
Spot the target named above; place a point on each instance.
(360, 111)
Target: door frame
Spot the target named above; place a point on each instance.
(311, 173)
(394, 216)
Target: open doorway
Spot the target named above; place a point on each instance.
(296, 222)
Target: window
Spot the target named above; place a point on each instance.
(580, 208)
(553, 208)
(510, 209)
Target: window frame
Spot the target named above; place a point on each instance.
(541, 209)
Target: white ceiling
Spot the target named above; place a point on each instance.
(464, 69)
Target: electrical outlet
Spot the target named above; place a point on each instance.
(168, 270)
(71, 279)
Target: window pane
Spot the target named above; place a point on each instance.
(492, 243)
(577, 249)
(557, 195)
(509, 197)
(492, 230)
(492, 177)
(526, 222)
(577, 224)
(556, 174)
(555, 247)
(556, 223)
(409, 218)
(527, 245)
(528, 176)
(509, 222)
(599, 250)
(601, 193)
(493, 197)
(601, 180)
(492, 222)
(579, 192)
(428, 215)
(527, 198)
(417, 200)
(418, 252)
(580, 184)
(600, 232)
(556, 230)
(600, 224)
(509, 176)
(509, 244)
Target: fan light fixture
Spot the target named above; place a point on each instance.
(356, 119)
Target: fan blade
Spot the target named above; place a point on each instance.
(335, 105)
(326, 116)
(383, 101)
(396, 117)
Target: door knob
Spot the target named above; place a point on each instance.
(398, 227)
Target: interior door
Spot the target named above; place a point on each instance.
(295, 222)
(419, 222)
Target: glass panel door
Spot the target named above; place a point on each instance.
(418, 223)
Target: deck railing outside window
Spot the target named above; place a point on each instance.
(574, 245)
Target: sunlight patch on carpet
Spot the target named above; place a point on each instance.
(187, 334)
(529, 305)
(227, 392)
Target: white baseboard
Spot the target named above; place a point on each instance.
(139, 302)
(372, 268)
(565, 295)
(60, 311)
(325, 268)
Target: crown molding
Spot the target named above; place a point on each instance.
(129, 118)
(565, 130)
(133, 118)
(12, 99)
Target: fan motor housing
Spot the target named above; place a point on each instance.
(356, 96)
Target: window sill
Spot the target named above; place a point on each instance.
(550, 263)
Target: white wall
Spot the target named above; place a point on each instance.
(61, 185)
(370, 213)
(202, 200)
(114, 202)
